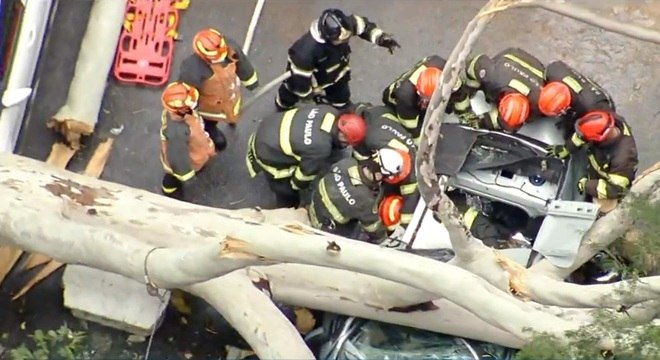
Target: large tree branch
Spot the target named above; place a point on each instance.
(252, 313)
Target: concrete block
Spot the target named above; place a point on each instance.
(112, 300)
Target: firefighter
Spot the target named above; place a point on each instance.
(495, 223)
(512, 81)
(185, 147)
(389, 212)
(571, 95)
(410, 93)
(293, 147)
(384, 131)
(320, 59)
(612, 157)
(350, 194)
(215, 68)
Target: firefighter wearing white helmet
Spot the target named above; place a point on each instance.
(346, 200)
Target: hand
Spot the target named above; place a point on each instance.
(386, 40)
(558, 151)
(582, 183)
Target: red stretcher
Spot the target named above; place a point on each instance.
(146, 45)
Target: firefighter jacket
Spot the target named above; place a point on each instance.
(219, 84)
(401, 95)
(315, 63)
(341, 196)
(184, 145)
(586, 94)
(612, 166)
(384, 131)
(512, 70)
(296, 144)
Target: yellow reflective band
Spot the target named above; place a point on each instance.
(409, 123)
(389, 116)
(250, 168)
(332, 209)
(354, 175)
(408, 189)
(601, 189)
(168, 190)
(300, 71)
(237, 106)
(333, 68)
(626, 130)
(253, 79)
(572, 83)
(163, 125)
(524, 64)
(418, 139)
(213, 115)
(463, 104)
(469, 217)
(311, 214)
(390, 92)
(519, 86)
(328, 121)
(184, 177)
(577, 140)
(458, 84)
(397, 145)
(293, 185)
(302, 177)
(493, 115)
(475, 84)
(359, 156)
(372, 227)
(471, 70)
(285, 134)
(614, 179)
(406, 218)
(374, 34)
(415, 75)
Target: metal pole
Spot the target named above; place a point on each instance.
(264, 89)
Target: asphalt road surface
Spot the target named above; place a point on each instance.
(627, 67)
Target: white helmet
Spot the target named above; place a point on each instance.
(390, 160)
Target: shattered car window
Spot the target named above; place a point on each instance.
(376, 340)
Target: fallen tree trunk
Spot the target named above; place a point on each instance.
(78, 116)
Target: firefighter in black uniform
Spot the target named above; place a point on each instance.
(410, 93)
(185, 146)
(320, 59)
(214, 52)
(351, 193)
(495, 223)
(512, 81)
(611, 153)
(384, 131)
(293, 147)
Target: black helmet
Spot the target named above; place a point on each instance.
(331, 23)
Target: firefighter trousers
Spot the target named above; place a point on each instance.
(285, 195)
(337, 95)
(219, 139)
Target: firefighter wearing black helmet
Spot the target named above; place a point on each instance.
(320, 59)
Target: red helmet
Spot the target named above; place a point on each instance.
(595, 126)
(210, 45)
(428, 81)
(389, 210)
(179, 97)
(555, 98)
(353, 127)
(395, 165)
(514, 110)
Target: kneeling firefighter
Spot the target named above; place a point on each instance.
(185, 147)
(350, 194)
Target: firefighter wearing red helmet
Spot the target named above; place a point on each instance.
(216, 61)
(409, 95)
(346, 200)
(512, 81)
(569, 94)
(384, 131)
(293, 147)
(185, 146)
(612, 155)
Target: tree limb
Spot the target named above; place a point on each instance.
(252, 313)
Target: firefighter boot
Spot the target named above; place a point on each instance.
(216, 135)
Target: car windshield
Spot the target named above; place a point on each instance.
(377, 340)
(494, 149)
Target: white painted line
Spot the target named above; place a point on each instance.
(253, 25)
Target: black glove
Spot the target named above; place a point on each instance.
(558, 151)
(386, 40)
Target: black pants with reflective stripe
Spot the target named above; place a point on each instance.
(171, 184)
(337, 95)
(285, 196)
